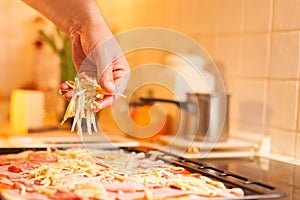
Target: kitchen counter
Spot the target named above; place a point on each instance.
(275, 173)
(61, 137)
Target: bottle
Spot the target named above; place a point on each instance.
(190, 75)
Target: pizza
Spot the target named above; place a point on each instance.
(90, 174)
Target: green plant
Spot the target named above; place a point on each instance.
(61, 46)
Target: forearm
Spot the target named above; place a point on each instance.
(68, 14)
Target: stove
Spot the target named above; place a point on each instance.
(276, 173)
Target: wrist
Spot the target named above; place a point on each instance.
(91, 30)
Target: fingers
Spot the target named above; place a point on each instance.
(111, 75)
(103, 103)
(120, 68)
(66, 90)
(68, 96)
(107, 80)
(64, 86)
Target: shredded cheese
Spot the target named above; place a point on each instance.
(86, 93)
(78, 170)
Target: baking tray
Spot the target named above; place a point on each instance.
(253, 189)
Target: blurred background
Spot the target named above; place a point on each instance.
(254, 43)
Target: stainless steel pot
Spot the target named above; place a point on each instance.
(212, 117)
(206, 116)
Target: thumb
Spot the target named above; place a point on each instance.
(107, 80)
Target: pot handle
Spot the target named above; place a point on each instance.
(182, 105)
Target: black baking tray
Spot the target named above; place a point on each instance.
(253, 189)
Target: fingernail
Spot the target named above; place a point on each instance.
(96, 106)
(111, 86)
(64, 86)
(68, 96)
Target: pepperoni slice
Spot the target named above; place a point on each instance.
(20, 167)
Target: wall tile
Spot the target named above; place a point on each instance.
(229, 49)
(283, 142)
(169, 11)
(246, 105)
(137, 16)
(298, 106)
(9, 73)
(297, 149)
(286, 14)
(251, 94)
(4, 43)
(282, 100)
(208, 44)
(232, 87)
(258, 15)
(5, 17)
(254, 56)
(284, 55)
(122, 16)
(184, 16)
(207, 24)
(146, 13)
(231, 16)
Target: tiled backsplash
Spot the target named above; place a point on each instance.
(255, 44)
